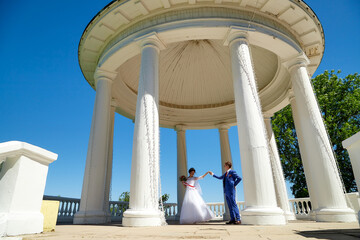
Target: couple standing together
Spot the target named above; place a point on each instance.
(194, 209)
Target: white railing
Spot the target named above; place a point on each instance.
(300, 206)
(117, 210)
(67, 208)
(170, 210)
(303, 209)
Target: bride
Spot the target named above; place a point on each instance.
(194, 209)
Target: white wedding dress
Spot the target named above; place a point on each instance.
(194, 209)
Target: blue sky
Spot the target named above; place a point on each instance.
(45, 100)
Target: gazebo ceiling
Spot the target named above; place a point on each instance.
(196, 74)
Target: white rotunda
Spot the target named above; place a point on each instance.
(201, 64)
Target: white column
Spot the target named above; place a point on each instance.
(144, 195)
(225, 157)
(260, 201)
(305, 156)
(181, 166)
(325, 178)
(93, 206)
(278, 174)
(109, 163)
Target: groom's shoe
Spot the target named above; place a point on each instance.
(237, 222)
(231, 222)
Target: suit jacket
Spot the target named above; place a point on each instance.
(229, 181)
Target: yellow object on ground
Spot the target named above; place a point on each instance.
(50, 211)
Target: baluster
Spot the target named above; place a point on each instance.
(68, 206)
(305, 208)
(118, 209)
(75, 208)
(62, 208)
(65, 208)
(297, 208)
(293, 207)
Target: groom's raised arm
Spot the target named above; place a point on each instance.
(221, 177)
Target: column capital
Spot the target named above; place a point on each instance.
(301, 60)
(291, 95)
(223, 126)
(180, 128)
(235, 34)
(101, 74)
(113, 102)
(267, 115)
(151, 40)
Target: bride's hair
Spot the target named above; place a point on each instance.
(191, 169)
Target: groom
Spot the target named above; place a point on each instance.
(230, 180)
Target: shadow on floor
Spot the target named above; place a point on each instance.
(332, 234)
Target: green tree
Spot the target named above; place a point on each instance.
(124, 197)
(339, 101)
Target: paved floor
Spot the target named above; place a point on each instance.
(214, 230)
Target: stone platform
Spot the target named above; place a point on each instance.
(213, 230)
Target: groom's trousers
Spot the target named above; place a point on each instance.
(233, 208)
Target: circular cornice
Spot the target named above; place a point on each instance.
(313, 49)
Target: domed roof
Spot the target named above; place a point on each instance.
(194, 70)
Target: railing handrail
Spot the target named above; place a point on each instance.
(47, 197)
(299, 199)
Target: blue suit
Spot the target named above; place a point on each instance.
(230, 181)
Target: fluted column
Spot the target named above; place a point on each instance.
(305, 157)
(109, 163)
(143, 207)
(225, 157)
(181, 165)
(93, 205)
(324, 176)
(278, 174)
(260, 201)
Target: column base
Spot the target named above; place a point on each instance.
(91, 217)
(289, 216)
(141, 218)
(263, 216)
(12, 224)
(335, 215)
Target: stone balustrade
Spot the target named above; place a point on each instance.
(300, 206)
(67, 208)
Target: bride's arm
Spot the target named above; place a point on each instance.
(201, 177)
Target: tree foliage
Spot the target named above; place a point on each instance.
(339, 101)
(124, 197)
